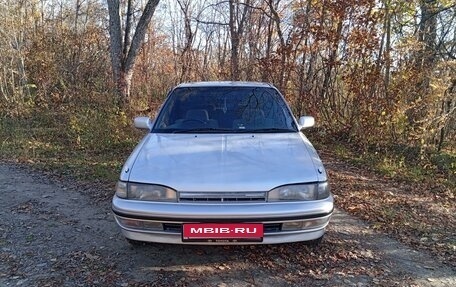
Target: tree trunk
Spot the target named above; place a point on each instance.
(424, 63)
(236, 31)
(124, 53)
(234, 44)
(282, 51)
(186, 55)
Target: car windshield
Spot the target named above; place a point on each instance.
(224, 110)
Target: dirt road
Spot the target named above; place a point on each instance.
(52, 234)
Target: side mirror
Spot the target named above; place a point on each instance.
(144, 123)
(306, 122)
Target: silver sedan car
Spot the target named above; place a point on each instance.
(223, 163)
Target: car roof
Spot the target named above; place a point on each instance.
(224, 84)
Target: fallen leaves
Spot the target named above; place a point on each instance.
(88, 268)
(418, 214)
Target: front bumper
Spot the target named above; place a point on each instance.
(162, 222)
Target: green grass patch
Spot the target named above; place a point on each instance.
(90, 148)
(401, 162)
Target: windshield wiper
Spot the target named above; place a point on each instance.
(203, 130)
(269, 130)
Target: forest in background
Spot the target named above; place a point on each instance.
(379, 76)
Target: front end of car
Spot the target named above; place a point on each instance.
(155, 213)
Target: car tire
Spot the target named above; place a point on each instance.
(135, 242)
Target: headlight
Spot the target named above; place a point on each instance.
(121, 189)
(323, 190)
(149, 192)
(300, 192)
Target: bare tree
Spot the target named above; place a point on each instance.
(14, 87)
(124, 52)
(237, 21)
(186, 54)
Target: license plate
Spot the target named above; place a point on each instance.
(222, 232)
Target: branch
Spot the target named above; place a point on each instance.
(243, 4)
(209, 22)
(445, 8)
(140, 33)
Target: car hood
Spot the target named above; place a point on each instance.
(224, 162)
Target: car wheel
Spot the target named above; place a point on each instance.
(135, 242)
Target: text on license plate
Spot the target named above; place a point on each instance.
(229, 231)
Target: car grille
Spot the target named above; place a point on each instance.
(226, 197)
